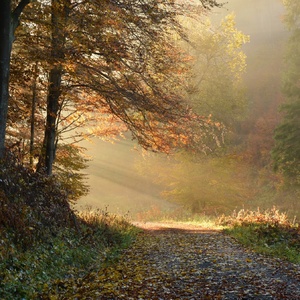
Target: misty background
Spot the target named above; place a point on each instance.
(113, 176)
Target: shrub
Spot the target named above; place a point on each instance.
(32, 205)
(268, 231)
(44, 270)
(244, 217)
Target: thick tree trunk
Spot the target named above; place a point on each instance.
(5, 50)
(8, 23)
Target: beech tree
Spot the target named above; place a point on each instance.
(60, 11)
(9, 21)
(216, 87)
(28, 88)
(112, 52)
(199, 179)
(30, 65)
(132, 70)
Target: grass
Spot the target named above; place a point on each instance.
(179, 215)
(26, 274)
(43, 240)
(268, 232)
(73, 253)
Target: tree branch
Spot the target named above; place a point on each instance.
(17, 12)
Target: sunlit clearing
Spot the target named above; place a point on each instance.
(115, 183)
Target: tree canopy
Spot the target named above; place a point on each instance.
(110, 57)
(216, 86)
(197, 178)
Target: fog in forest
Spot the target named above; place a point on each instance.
(119, 181)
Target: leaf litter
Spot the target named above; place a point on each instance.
(185, 262)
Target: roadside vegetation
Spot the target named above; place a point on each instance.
(266, 231)
(184, 99)
(177, 214)
(43, 240)
(269, 232)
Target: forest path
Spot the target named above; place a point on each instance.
(175, 261)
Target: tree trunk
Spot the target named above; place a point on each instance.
(8, 23)
(32, 118)
(54, 92)
(5, 50)
(58, 19)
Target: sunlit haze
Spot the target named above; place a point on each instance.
(114, 180)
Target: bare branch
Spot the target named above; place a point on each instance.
(17, 12)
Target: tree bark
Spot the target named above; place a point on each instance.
(54, 92)
(32, 118)
(5, 50)
(8, 23)
(58, 19)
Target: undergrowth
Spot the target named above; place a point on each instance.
(43, 240)
(179, 214)
(25, 274)
(269, 232)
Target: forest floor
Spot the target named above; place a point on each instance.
(179, 261)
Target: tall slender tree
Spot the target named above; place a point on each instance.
(5, 24)
(60, 10)
(9, 21)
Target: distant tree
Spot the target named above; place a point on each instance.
(286, 153)
(216, 87)
(201, 182)
(259, 139)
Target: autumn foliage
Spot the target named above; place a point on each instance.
(33, 205)
(268, 231)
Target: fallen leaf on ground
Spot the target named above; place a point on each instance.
(186, 263)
